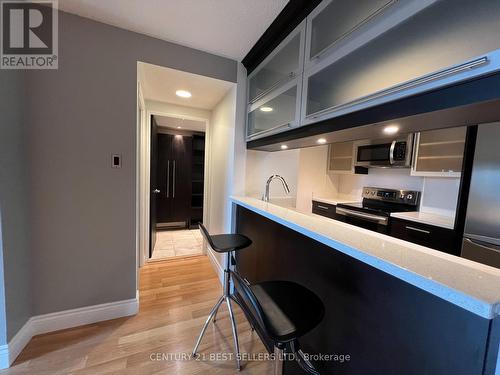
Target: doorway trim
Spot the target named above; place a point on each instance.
(143, 183)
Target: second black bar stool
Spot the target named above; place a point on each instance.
(224, 243)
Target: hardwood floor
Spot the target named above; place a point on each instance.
(175, 299)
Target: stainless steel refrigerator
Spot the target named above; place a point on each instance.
(481, 240)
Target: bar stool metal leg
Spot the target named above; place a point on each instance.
(226, 297)
(278, 361)
(210, 316)
(235, 333)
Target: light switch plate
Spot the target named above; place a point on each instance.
(116, 161)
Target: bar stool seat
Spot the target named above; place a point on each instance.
(223, 243)
(282, 311)
(289, 310)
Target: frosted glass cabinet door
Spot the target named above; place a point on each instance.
(340, 18)
(283, 65)
(445, 34)
(440, 152)
(278, 113)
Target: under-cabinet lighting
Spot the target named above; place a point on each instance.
(284, 147)
(321, 141)
(391, 129)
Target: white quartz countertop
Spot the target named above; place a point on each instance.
(470, 285)
(427, 218)
(336, 201)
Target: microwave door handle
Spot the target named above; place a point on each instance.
(391, 152)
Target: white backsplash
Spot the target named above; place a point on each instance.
(261, 165)
(305, 170)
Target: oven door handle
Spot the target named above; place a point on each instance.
(382, 220)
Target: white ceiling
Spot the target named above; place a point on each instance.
(184, 124)
(223, 27)
(160, 84)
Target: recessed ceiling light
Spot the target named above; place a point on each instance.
(183, 93)
(179, 127)
(284, 147)
(391, 129)
(321, 141)
(266, 109)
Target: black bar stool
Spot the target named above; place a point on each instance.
(283, 311)
(224, 243)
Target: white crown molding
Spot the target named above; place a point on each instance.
(40, 324)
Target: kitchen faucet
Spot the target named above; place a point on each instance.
(265, 197)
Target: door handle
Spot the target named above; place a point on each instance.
(322, 207)
(173, 184)
(168, 178)
(391, 152)
(417, 229)
(156, 191)
(483, 245)
(382, 220)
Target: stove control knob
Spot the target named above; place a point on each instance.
(409, 197)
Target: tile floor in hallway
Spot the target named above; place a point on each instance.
(173, 243)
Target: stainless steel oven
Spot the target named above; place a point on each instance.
(375, 210)
(385, 153)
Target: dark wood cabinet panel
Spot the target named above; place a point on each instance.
(324, 209)
(174, 178)
(426, 235)
(386, 325)
(422, 234)
(181, 177)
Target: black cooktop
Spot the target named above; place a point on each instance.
(377, 207)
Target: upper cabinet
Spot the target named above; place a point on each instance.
(275, 88)
(439, 45)
(282, 65)
(334, 20)
(439, 153)
(275, 113)
(341, 158)
(350, 55)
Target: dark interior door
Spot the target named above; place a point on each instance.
(182, 147)
(154, 189)
(164, 173)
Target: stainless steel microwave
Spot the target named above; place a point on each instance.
(385, 153)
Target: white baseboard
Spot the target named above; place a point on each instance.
(216, 264)
(40, 324)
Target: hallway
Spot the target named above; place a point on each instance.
(175, 243)
(175, 298)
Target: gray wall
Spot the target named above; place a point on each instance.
(14, 206)
(83, 211)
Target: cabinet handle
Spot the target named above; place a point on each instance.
(404, 86)
(168, 178)
(272, 87)
(263, 132)
(373, 15)
(173, 185)
(322, 207)
(418, 230)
